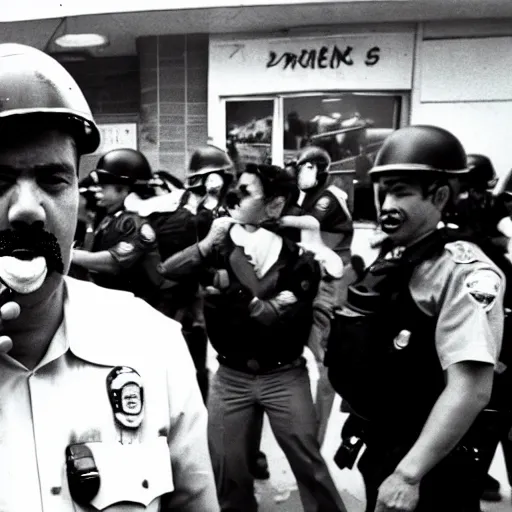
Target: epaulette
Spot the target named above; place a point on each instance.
(462, 252)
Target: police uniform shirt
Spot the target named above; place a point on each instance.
(464, 289)
(331, 210)
(126, 236)
(163, 464)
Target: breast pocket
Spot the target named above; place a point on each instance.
(137, 473)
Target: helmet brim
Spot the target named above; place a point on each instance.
(79, 125)
(411, 169)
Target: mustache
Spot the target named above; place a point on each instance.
(232, 199)
(391, 220)
(31, 242)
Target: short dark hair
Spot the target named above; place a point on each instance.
(276, 181)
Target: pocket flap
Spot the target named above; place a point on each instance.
(138, 472)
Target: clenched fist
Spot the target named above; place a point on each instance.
(218, 231)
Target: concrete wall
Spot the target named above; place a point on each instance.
(173, 97)
(462, 83)
(110, 85)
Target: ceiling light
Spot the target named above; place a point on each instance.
(82, 41)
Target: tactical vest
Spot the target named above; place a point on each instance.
(381, 354)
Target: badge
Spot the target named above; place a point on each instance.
(147, 234)
(402, 339)
(323, 204)
(305, 285)
(124, 248)
(483, 286)
(126, 395)
(462, 252)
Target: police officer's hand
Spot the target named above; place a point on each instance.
(218, 231)
(398, 494)
(9, 311)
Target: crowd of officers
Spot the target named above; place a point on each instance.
(410, 343)
(134, 221)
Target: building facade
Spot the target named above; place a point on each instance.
(263, 93)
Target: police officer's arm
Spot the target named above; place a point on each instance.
(136, 239)
(194, 258)
(101, 261)
(468, 340)
(194, 487)
(467, 392)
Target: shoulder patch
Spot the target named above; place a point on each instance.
(124, 248)
(147, 234)
(323, 204)
(125, 224)
(462, 252)
(483, 286)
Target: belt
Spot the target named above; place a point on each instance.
(256, 366)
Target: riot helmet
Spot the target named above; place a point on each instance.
(481, 174)
(204, 161)
(123, 166)
(35, 90)
(308, 177)
(420, 149)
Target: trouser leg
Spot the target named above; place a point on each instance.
(323, 404)
(231, 411)
(197, 341)
(286, 397)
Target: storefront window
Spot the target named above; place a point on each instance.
(350, 127)
(249, 131)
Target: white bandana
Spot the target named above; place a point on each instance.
(262, 247)
(166, 203)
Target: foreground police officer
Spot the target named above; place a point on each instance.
(100, 405)
(258, 314)
(414, 348)
(125, 252)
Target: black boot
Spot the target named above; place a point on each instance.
(259, 467)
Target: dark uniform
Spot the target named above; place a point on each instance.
(411, 315)
(328, 204)
(129, 238)
(329, 207)
(175, 230)
(259, 340)
(132, 243)
(477, 217)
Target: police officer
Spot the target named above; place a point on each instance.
(95, 385)
(258, 313)
(484, 217)
(414, 348)
(328, 204)
(175, 229)
(125, 253)
(477, 211)
(210, 173)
